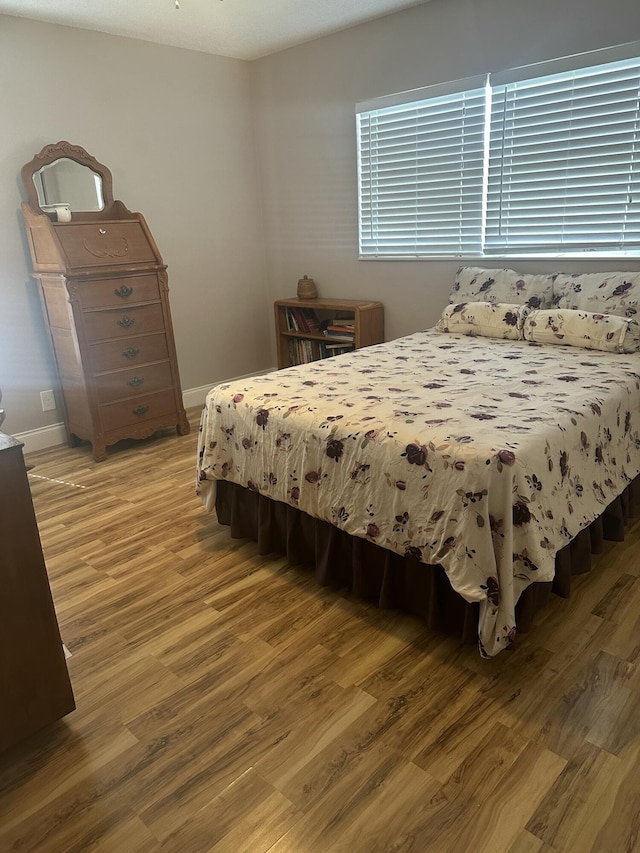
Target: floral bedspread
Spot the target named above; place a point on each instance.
(484, 455)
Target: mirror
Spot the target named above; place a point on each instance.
(67, 182)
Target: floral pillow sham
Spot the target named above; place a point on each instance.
(606, 332)
(610, 293)
(485, 319)
(473, 284)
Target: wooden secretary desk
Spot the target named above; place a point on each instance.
(105, 296)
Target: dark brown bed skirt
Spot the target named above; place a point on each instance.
(391, 580)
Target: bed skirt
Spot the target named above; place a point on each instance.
(403, 583)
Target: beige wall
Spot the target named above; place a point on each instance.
(175, 128)
(305, 100)
(236, 141)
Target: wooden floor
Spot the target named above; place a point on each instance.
(228, 703)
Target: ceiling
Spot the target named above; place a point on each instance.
(243, 29)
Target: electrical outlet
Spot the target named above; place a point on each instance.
(48, 401)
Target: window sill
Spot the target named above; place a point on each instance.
(488, 260)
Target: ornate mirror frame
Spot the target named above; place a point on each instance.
(49, 155)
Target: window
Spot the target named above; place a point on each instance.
(421, 175)
(545, 165)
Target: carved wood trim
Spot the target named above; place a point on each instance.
(108, 251)
(73, 291)
(55, 151)
(163, 281)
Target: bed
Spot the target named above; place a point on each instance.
(486, 446)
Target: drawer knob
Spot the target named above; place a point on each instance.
(123, 291)
(130, 352)
(126, 322)
(140, 410)
(136, 382)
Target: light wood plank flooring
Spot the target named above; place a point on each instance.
(228, 703)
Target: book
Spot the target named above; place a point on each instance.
(339, 334)
(313, 324)
(291, 320)
(304, 351)
(329, 350)
(302, 320)
(342, 330)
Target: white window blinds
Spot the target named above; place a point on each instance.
(543, 160)
(564, 162)
(421, 176)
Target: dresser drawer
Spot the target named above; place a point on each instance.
(97, 244)
(119, 292)
(133, 383)
(128, 413)
(113, 355)
(103, 325)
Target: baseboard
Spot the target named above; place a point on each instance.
(50, 436)
(43, 438)
(195, 396)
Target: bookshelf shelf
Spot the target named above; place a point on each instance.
(310, 329)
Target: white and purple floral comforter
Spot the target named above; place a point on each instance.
(484, 455)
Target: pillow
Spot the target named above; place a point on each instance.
(608, 292)
(631, 342)
(487, 319)
(607, 332)
(474, 284)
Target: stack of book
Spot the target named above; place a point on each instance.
(341, 329)
(339, 334)
(335, 349)
(302, 320)
(305, 351)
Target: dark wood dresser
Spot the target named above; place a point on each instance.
(34, 682)
(105, 297)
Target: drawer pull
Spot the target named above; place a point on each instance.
(130, 352)
(136, 382)
(123, 291)
(126, 322)
(140, 410)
